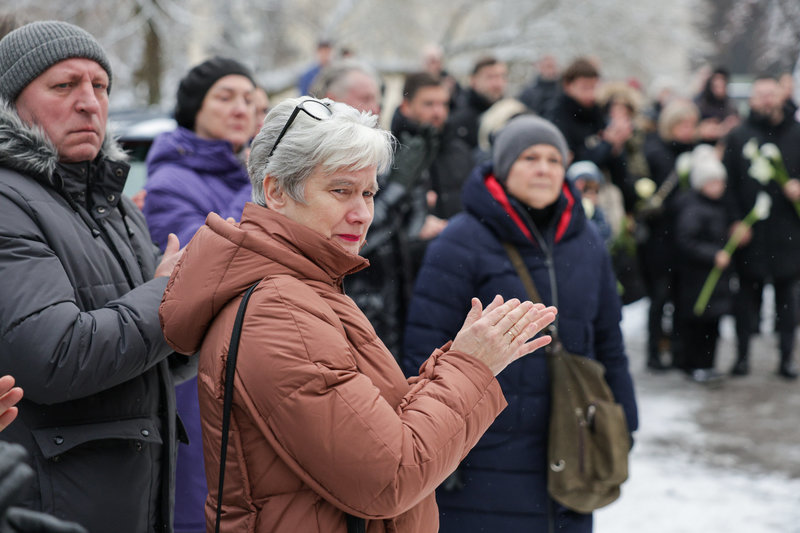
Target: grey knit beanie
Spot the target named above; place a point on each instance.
(518, 135)
(31, 49)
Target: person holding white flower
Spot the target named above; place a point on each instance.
(676, 135)
(770, 252)
(701, 231)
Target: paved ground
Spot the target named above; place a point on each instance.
(711, 460)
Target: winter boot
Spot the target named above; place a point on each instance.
(787, 368)
(742, 366)
(654, 362)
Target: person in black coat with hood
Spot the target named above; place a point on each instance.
(772, 253)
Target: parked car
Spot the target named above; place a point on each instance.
(135, 130)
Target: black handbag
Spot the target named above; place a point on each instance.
(588, 440)
(354, 523)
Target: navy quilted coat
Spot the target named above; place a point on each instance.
(504, 476)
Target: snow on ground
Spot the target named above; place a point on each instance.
(673, 487)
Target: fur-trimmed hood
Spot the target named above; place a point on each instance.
(27, 150)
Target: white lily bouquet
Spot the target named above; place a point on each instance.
(766, 163)
(760, 211)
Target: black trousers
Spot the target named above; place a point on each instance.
(700, 337)
(748, 308)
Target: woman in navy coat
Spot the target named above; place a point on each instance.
(520, 197)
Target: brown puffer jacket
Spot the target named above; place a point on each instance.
(323, 420)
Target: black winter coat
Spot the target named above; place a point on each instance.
(774, 250)
(657, 249)
(450, 166)
(79, 330)
(582, 127)
(701, 230)
(466, 118)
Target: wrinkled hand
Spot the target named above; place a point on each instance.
(9, 397)
(503, 332)
(792, 190)
(722, 259)
(172, 253)
(432, 227)
(139, 198)
(19, 520)
(745, 233)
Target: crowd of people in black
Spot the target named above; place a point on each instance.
(610, 195)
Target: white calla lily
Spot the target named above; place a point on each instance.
(750, 149)
(683, 165)
(763, 206)
(761, 170)
(645, 187)
(771, 152)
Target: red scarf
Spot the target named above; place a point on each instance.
(499, 194)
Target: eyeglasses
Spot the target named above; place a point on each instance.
(313, 108)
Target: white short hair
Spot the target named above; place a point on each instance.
(349, 139)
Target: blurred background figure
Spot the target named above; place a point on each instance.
(194, 170)
(351, 82)
(701, 232)
(324, 55)
(487, 85)
(539, 94)
(718, 113)
(662, 90)
(772, 254)
(588, 180)
(676, 134)
(592, 135)
(433, 63)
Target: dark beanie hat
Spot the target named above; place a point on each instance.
(518, 135)
(194, 86)
(28, 51)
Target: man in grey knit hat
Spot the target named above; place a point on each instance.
(80, 291)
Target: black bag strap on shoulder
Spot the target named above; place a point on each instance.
(530, 288)
(354, 524)
(522, 271)
(230, 369)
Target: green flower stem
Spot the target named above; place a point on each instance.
(716, 272)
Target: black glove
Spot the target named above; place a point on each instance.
(19, 520)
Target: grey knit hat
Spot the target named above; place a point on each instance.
(518, 135)
(31, 49)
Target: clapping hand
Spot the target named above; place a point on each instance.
(503, 332)
(9, 397)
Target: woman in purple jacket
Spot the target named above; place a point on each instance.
(193, 171)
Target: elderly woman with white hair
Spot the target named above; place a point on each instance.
(325, 432)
